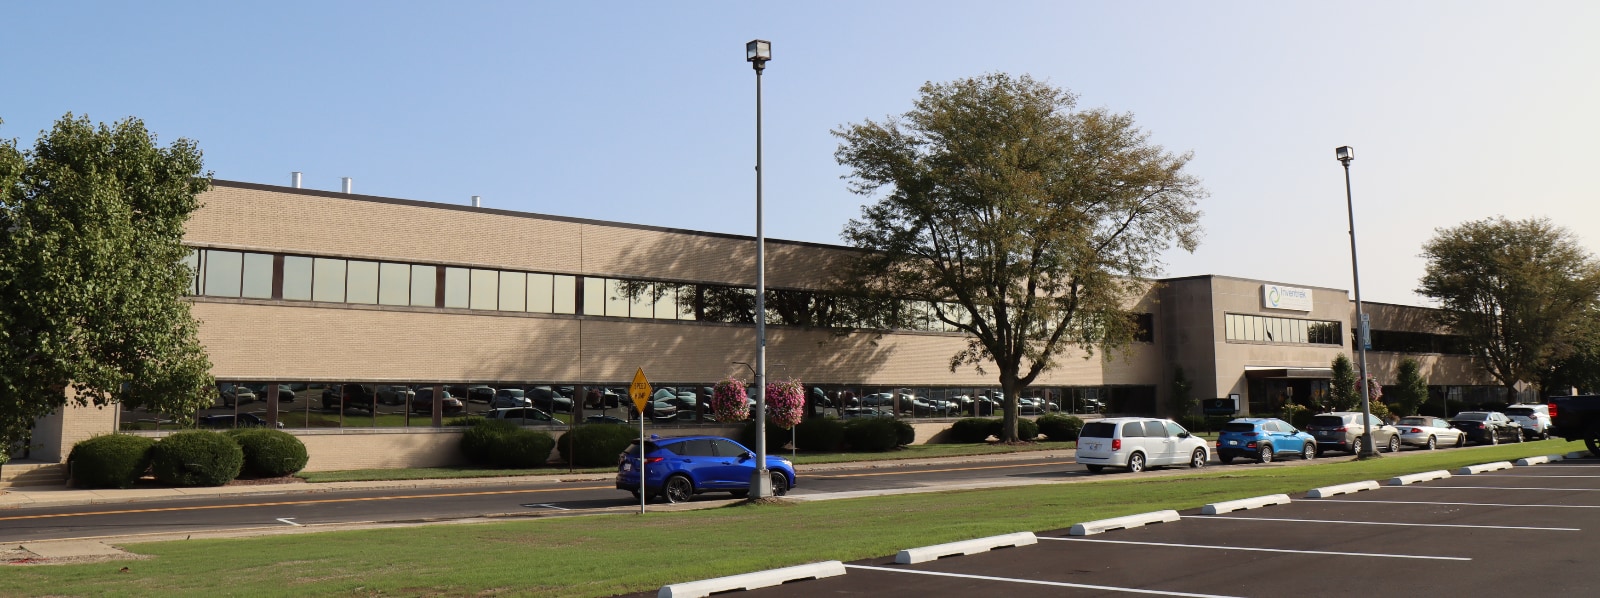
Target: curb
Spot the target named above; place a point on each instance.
(1526, 461)
(1418, 477)
(1578, 455)
(1104, 525)
(751, 581)
(912, 556)
(1484, 468)
(1218, 508)
(1350, 488)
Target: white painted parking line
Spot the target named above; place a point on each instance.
(1526, 475)
(1550, 529)
(1453, 504)
(1038, 582)
(1286, 550)
(1566, 465)
(1505, 488)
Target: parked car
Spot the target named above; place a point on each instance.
(1342, 430)
(422, 402)
(1138, 443)
(1429, 432)
(478, 394)
(1263, 439)
(548, 399)
(393, 394)
(345, 396)
(230, 421)
(676, 469)
(1535, 419)
(524, 414)
(1576, 418)
(235, 394)
(509, 397)
(1487, 427)
(285, 394)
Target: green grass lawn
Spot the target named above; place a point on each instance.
(613, 554)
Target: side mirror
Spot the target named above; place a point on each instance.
(747, 456)
(1183, 435)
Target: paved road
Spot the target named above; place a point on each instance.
(531, 498)
(1525, 530)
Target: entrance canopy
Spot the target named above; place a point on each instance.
(1279, 373)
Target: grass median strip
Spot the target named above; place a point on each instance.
(615, 554)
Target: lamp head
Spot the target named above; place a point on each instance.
(1346, 154)
(758, 52)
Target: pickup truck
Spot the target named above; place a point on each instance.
(1576, 418)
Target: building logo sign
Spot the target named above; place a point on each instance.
(1276, 297)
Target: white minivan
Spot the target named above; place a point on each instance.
(1137, 443)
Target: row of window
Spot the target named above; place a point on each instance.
(224, 273)
(1269, 329)
(1418, 342)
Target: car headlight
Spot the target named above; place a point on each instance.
(785, 462)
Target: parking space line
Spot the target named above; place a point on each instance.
(1453, 504)
(1506, 488)
(1058, 584)
(1524, 475)
(1553, 529)
(1251, 549)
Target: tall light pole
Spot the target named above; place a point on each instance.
(1346, 154)
(758, 52)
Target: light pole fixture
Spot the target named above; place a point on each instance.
(758, 52)
(1345, 154)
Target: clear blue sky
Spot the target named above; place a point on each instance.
(644, 111)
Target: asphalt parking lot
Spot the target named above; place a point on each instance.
(1516, 531)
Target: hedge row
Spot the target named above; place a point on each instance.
(503, 443)
(190, 458)
(979, 429)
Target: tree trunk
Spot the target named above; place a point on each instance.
(1008, 387)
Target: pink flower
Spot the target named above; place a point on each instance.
(786, 403)
(728, 401)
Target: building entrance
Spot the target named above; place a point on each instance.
(1269, 390)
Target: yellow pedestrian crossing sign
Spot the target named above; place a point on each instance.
(640, 390)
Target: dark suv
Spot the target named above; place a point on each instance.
(1342, 430)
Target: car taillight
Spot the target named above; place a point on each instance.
(1552, 408)
(1415, 431)
(655, 460)
(1116, 444)
(1251, 444)
(1341, 429)
(1478, 425)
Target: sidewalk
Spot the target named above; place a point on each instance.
(66, 496)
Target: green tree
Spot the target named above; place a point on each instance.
(92, 275)
(1410, 389)
(1019, 221)
(1518, 292)
(1579, 369)
(1343, 394)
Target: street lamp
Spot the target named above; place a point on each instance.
(758, 52)
(1345, 154)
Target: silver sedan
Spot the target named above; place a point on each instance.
(1429, 432)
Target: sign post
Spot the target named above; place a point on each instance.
(639, 391)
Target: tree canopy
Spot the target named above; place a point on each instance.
(91, 273)
(1520, 292)
(1024, 223)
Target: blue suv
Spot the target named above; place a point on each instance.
(1263, 439)
(676, 469)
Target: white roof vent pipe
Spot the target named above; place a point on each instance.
(477, 201)
(346, 186)
(295, 176)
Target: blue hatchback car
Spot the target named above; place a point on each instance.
(1263, 439)
(676, 469)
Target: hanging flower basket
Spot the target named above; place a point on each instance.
(728, 402)
(786, 403)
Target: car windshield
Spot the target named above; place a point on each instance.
(633, 448)
(1098, 430)
(1522, 411)
(1238, 427)
(1413, 421)
(1331, 421)
(1471, 416)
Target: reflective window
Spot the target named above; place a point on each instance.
(424, 283)
(257, 281)
(541, 293)
(192, 261)
(594, 296)
(362, 282)
(641, 305)
(485, 295)
(566, 294)
(616, 300)
(327, 282)
(666, 304)
(455, 287)
(223, 269)
(1240, 327)
(513, 291)
(394, 284)
(297, 278)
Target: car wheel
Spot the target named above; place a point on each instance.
(1591, 439)
(1394, 444)
(1266, 454)
(678, 489)
(1095, 468)
(1519, 436)
(1198, 459)
(1309, 451)
(1494, 437)
(780, 483)
(1136, 462)
(637, 496)
(1461, 440)
(1433, 443)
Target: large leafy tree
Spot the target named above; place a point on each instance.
(1022, 222)
(91, 273)
(1520, 293)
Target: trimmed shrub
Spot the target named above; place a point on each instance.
(110, 461)
(872, 434)
(973, 429)
(196, 458)
(776, 437)
(1027, 430)
(596, 445)
(270, 453)
(907, 434)
(1194, 423)
(824, 434)
(481, 441)
(1060, 428)
(524, 448)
